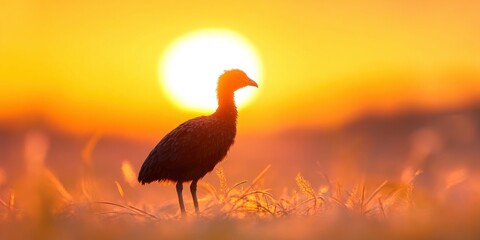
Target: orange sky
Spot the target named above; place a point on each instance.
(87, 66)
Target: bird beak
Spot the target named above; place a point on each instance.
(252, 83)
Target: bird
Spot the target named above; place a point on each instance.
(194, 148)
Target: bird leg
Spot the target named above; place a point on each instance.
(180, 198)
(193, 190)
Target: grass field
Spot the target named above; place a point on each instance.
(42, 208)
(62, 192)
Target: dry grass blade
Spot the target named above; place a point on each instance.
(243, 199)
(259, 176)
(11, 203)
(377, 190)
(339, 202)
(130, 208)
(88, 149)
(113, 204)
(58, 185)
(209, 188)
(236, 185)
(380, 203)
(4, 203)
(362, 199)
(258, 207)
(120, 190)
(142, 211)
(115, 213)
(255, 192)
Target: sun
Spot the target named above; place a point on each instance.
(191, 65)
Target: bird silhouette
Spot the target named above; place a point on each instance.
(192, 149)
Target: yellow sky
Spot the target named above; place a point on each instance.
(92, 65)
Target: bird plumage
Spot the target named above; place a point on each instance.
(192, 149)
(189, 151)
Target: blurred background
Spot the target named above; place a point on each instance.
(373, 90)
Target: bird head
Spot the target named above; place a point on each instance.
(232, 80)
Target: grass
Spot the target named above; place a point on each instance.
(242, 210)
(41, 207)
(249, 200)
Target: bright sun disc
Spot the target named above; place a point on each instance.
(192, 64)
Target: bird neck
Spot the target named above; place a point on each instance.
(226, 105)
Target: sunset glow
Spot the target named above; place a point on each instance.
(120, 69)
(365, 123)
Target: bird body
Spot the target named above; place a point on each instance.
(192, 149)
(180, 156)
